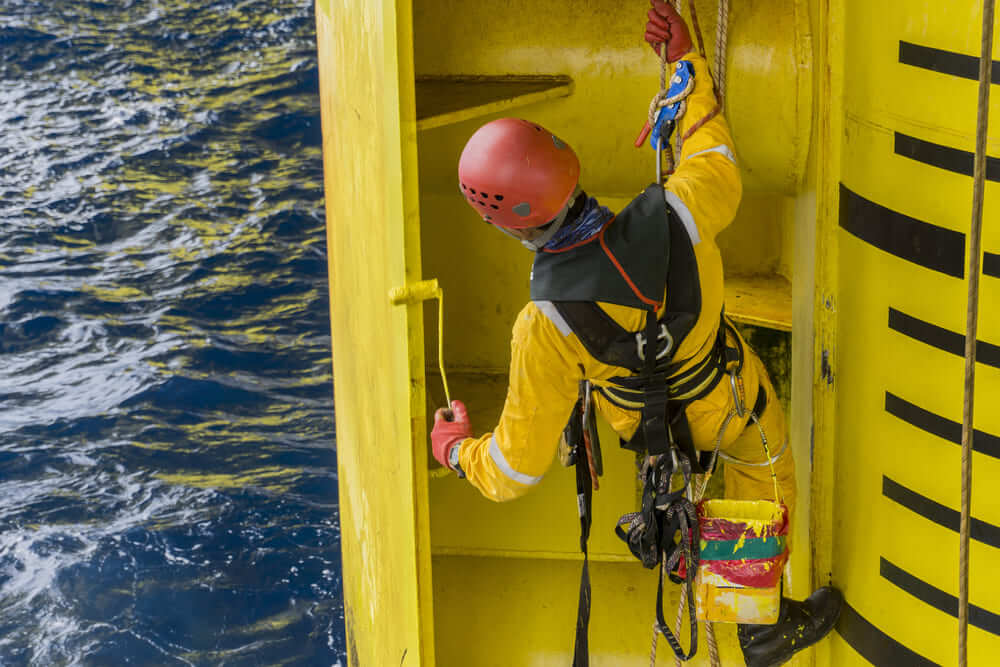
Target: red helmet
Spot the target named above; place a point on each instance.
(517, 174)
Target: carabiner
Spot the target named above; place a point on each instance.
(741, 409)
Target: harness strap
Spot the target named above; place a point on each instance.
(690, 384)
(688, 524)
(584, 497)
(652, 536)
(581, 429)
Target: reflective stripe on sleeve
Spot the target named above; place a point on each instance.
(505, 468)
(681, 209)
(549, 310)
(721, 148)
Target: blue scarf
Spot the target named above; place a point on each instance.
(587, 224)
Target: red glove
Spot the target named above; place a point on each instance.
(666, 25)
(448, 433)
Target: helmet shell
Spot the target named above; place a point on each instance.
(516, 174)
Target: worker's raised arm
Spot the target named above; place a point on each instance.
(705, 188)
(706, 183)
(544, 380)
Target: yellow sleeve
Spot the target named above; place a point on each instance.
(544, 382)
(705, 188)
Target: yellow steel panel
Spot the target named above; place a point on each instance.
(442, 100)
(885, 90)
(524, 613)
(828, 18)
(897, 566)
(615, 73)
(369, 134)
(760, 300)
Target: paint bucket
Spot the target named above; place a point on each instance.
(743, 552)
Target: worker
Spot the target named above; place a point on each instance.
(524, 180)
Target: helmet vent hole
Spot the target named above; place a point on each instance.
(494, 207)
(472, 190)
(482, 203)
(483, 195)
(498, 197)
(463, 186)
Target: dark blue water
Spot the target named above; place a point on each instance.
(167, 470)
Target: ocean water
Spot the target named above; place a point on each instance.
(168, 488)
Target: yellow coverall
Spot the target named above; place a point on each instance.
(548, 361)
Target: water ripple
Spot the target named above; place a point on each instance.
(167, 476)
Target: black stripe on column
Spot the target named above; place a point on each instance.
(940, 514)
(991, 264)
(941, 338)
(874, 645)
(946, 62)
(943, 157)
(982, 442)
(935, 597)
(916, 241)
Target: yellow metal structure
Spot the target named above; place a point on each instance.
(374, 246)
(893, 318)
(853, 123)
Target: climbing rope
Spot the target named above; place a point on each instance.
(721, 42)
(660, 100)
(697, 27)
(718, 74)
(971, 322)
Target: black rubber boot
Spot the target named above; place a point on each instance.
(800, 624)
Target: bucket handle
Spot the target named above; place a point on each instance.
(778, 498)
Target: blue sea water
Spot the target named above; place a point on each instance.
(167, 467)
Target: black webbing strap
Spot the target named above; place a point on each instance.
(654, 396)
(686, 517)
(584, 496)
(662, 532)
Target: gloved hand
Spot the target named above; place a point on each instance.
(666, 25)
(448, 433)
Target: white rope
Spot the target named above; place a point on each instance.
(660, 100)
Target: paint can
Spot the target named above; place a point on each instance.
(743, 550)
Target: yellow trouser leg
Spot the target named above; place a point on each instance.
(747, 475)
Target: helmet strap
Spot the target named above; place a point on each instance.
(555, 225)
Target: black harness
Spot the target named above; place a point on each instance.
(643, 254)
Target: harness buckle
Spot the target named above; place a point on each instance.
(640, 343)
